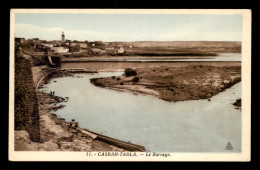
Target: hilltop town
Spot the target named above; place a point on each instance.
(65, 46)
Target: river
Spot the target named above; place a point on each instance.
(219, 57)
(160, 126)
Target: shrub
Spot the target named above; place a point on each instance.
(173, 84)
(237, 103)
(135, 79)
(26, 45)
(76, 48)
(130, 72)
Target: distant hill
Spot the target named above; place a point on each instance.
(209, 46)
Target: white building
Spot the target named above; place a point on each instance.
(47, 45)
(121, 50)
(83, 45)
(59, 50)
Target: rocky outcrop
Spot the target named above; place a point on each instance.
(237, 103)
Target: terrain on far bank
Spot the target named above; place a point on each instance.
(181, 46)
(186, 82)
(159, 49)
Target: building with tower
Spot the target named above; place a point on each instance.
(62, 38)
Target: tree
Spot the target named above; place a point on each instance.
(76, 48)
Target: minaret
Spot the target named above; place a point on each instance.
(62, 38)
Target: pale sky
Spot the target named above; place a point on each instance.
(130, 27)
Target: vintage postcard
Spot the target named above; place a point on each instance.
(130, 85)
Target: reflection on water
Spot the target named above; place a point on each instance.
(160, 126)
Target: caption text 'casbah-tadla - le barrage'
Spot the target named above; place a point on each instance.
(131, 154)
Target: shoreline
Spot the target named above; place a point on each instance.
(56, 133)
(74, 128)
(175, 84)
(205, 102)
(60, 135)
(237, 103)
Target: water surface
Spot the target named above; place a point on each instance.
(160, 126)
(219, 57)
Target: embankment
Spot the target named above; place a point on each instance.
(37, 128)
(50, 103)
(26, 102)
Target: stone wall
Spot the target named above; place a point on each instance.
(26, 103)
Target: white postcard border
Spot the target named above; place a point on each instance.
(245, 155)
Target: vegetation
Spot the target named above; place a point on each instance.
(135, 79)
(179, 83)
(99, 43)
(174, 46)
(26, 45)
(76, 48)
(130, 72)
(237, 102)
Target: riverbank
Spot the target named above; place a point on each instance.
(59, 135)
(140, 117)
(186, 82)
(55, 133)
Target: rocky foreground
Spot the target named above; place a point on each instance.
(191, 82)
(56, 134)
(53, 133)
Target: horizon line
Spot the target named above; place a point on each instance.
(142, 40)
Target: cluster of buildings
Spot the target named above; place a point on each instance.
(43, 47)
(54, 47)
